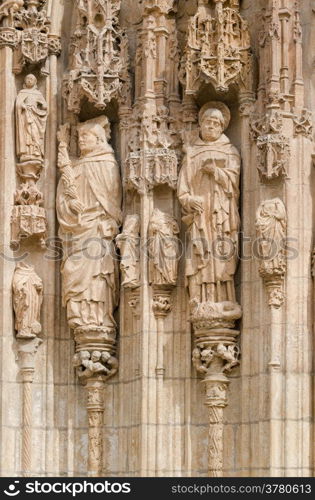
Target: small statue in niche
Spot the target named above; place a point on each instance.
(208, 190)
(128, 243)
(163, 248)
(27, 301)
(31, 118)
(271, 221)
(89, 214)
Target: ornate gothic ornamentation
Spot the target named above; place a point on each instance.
(27, 301)
(273, 147)
(28, 216)
(303, 125)
(98, 55)
(271, 223)
(26, 28)
(218, 47)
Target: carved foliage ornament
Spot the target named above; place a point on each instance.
(218, 46)
(28, 217)
(97, 61)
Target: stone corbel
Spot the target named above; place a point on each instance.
(214, 355)
(95, 363)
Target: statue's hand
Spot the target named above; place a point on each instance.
(76, 206)
(196, 203)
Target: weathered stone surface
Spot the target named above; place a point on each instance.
(156, 237)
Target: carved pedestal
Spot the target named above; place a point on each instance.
(214, 354)
(95, 363)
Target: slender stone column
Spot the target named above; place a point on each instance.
(26, 352)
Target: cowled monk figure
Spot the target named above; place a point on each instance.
(89, 214)
(209, 193)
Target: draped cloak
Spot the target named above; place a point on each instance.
(90, 265)
(219, 222)
(31, 117)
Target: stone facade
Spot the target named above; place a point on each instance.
(156, 235)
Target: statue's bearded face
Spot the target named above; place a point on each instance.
(87, 141)
(211, 126)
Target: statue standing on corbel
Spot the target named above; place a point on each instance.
(89, 214)
(28, 217)
(208, 190)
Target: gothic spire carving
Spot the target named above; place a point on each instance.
(217, 48)
(98, 65)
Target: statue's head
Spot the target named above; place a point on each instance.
(93, 135)
(214, 118)
(212, 125)
(96, 356)
(30, 81)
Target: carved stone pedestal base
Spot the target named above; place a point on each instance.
(95, 363)
(214, 354)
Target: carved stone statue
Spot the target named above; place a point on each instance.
(89, 214)
(27, 301)
(271, 224)
(90, 364)
(163, 248)
(129, 244)
(208, 190)
(31, 117)
(271, 231)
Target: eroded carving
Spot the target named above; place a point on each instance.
(163, 248)
(28, 216)
(271, 223)
(88, 364)
(27, 301)
(128, 243)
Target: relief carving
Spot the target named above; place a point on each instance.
(27, 301)
(163, 246)
(208, 191)
(97, 52)
(273, 147)
(89, 214)
(29, 217)
(271, 224)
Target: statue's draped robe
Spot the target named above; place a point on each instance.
(214, 231)
(31, 117)
(90, 265)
